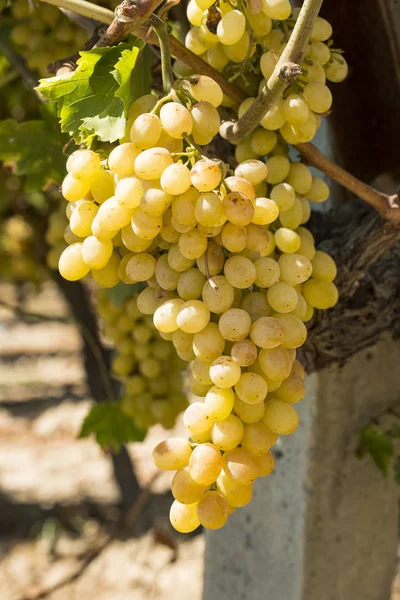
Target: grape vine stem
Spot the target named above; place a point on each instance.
(285, 72)
(384, 204)
(166, 67)
(387, 206)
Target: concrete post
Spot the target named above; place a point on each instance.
(324, 525)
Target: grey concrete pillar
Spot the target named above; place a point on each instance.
(324, 525)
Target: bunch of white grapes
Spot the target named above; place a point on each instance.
(42, 34)
(231, 276)
(149, 371)
(256, 36)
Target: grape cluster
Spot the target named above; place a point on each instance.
(149, 370)
(232, 275)
(43, 34)
(229, 38)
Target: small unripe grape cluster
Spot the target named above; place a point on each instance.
(149, 370)
(19, 259)
(43, 34)
(225, 36)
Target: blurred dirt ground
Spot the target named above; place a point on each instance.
(57, 494)
(58, 499)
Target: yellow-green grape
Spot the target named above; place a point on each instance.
(277, 9)
(151, 163)
(71, 264)
(204, 88)
(244, 353)
(234, 237)
(205, 175)
(258, 439)
(280, 416)
(320, 294)
(184, 517)
(206, 122)
(337, 69)
(96, 252)
(240, 466)
(192, 244)
(323, 267)
(248, 413)
(224, 372)
(240, 185)
(321, 31)
(175, 179)
(175, 120)
(292, 389)
(293, 217)
(287, 241)
(172, 454)
(219, 402)
(212, 510)
(196, 418)
(254, 171)
(267, 332)
(319, 190)
(184, 489)
(108, 275)
(274, 118)
(251, 388)
(166, 277)
(236, 495)
(208, 210)
(238, 52)
(146, 227)
(193, 316)
(145, 131)
(208, 344)
(165, 317)
(218, 294)
(282, 297)
(318, 97)
(102, 186)
(205, 464)
(201, 371)
(275, 363)
(294, 331)
(227, 434)
(217, 58)
(190, 284)
(121, 159)
(193, 41)
(295, 109)
(266, 464)
(231, 27)
(240, 272)
(235, 324)
(194, 13)
(267, 272)
(307, 245)
(300, 178)
(238, 209)
(294, 268)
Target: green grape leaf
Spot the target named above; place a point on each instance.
(111, 426)
(378, 445)
(142, 75)
(34, 149)
(94, 99)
